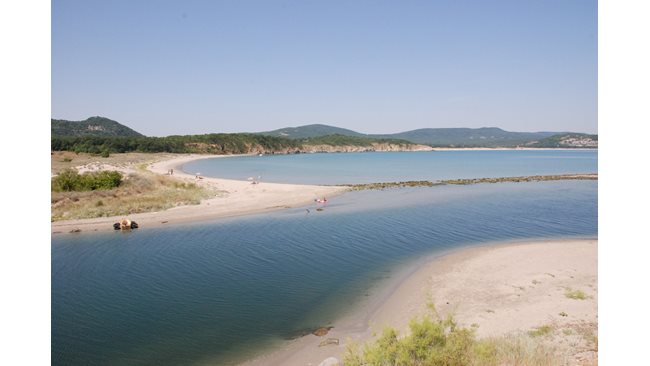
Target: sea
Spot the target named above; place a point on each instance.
(224, 291)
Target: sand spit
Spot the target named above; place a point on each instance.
(239, 198)
(497, 289)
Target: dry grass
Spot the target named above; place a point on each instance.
(575, 294)
(61, 160)
(515, 350)
(141, 192)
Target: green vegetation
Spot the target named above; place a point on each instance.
(220, 143)
(208, 144)
(443, 342)
(575, 294)
(430, 342)
(468, 137)
(343, 140)
(318, 134)
(93, 126)
(572, 140)
(541, 331)
(69, 181)
(310, 131)
(139, 192)
(437, 137)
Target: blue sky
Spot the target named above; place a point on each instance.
(186, 67)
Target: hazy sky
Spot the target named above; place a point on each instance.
(187, 67)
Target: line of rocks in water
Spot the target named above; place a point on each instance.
(426, 183)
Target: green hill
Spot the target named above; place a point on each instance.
(310, 131)
(568, 140)
(468, 137)
(93, 126)
(447, 137)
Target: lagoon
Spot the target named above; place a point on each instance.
(221, 292)
(372, 167)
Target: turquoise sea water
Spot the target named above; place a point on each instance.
(397, 166)
(213, 292)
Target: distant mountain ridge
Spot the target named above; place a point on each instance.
(325, 135)
(437, 137)
(93, 126)
(310, 131)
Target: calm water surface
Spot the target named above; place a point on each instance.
(212, 293)
(397, 166)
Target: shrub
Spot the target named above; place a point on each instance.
(430, 342)
(441, 342)
(66, 181)
(69, 180)
(575, 294)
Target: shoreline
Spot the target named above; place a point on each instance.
(515, 148)
(513, 298)
(240, 198)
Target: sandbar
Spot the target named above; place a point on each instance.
(499, 289)
(237, 198)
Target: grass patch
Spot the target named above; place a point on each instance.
(541, 331)
(513, 350)
(575, 294)
(139, 192)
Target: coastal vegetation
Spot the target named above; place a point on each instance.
(140, 191)
(119, 138)
(567, 140)
(220, 143)
(93, 126)
(575, 294)
(70, 180)
(343, 140)
(451, 137)
(436, 341)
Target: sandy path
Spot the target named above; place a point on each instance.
(238, 198)
(500, 289)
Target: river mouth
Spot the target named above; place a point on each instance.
(227, 290)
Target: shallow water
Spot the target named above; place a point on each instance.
(213, 292)
(373, 167)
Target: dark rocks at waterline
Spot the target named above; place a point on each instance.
(321, 331)
(426, 183)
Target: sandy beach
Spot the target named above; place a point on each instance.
(505, 289)
(236, 198)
